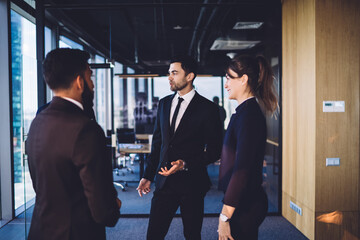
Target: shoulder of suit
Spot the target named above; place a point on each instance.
(206, 101)
(170, 96)
(166, 98)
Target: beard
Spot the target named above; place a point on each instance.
(88, 101)
(178, 86)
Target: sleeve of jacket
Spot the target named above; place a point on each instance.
(212, 131)
(154, 157)
(95, 169)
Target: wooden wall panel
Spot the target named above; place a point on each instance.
(321, 61)
(306, 222)
(337, 78)
(298, 108)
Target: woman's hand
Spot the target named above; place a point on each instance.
(224, 230)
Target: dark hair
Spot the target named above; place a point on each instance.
(260, 78)
(188, 64)
(61, 66)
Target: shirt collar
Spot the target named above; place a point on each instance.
(187, 97)
(74, 102)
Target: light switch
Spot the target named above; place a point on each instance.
(332, 162)
(333, 106)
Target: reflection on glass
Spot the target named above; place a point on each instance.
(24, 98)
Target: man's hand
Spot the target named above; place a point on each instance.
(144, 187)
(176, 166)
(118, 201)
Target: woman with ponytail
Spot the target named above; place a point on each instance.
(250, 82)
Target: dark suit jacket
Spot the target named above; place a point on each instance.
(199, 129)
(72, 178)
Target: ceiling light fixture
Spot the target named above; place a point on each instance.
(231, 55)
(177, 27)
(232, 44)
(247, 25)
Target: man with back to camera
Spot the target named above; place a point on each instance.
(187, 137)
(71, 175)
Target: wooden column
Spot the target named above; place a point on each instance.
(321, 62)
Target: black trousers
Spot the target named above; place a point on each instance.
(164, 205)
(246, 220)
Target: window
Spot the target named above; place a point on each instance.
(24, 99)
(49, 45)
(65, 42)
(131, 99)
(30, 2)
(118, 97)
(100, 93)
(48, 40)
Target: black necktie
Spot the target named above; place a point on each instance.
(173, 121)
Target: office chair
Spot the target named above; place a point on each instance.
(110, 154)
(124, 136)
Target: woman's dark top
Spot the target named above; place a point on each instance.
(242, 155)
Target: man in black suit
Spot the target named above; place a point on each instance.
(187, 137)
(72, 177)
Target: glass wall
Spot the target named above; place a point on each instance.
(118, 97)
(48, 40)
(131, 99)
(49, 44)
(24, 98)
(100, 93)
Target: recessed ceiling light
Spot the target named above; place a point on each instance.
(248, 25)
(232, 44)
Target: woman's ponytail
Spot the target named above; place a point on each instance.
(265, 91)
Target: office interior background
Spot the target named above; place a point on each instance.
(313, 47)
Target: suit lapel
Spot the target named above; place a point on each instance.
(167, 108)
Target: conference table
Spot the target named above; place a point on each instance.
(138, 148)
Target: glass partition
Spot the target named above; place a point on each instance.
(118, 99)
(24, 107)
(24, 89)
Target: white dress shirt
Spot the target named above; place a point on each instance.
(187, 99)
(74, 102)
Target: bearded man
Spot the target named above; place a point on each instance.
(187, 137)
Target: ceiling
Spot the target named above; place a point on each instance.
(145, 34)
